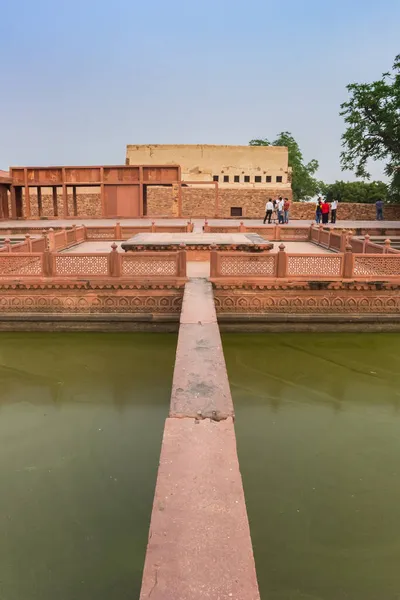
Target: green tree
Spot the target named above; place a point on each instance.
(304, 185)
(372, 116)
(356, 191)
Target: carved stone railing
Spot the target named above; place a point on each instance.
(371, 265)
(334, 240)
(21, 265)
(70, 266)
(236, 267)
(235, 264)
(124, 232)
(314, 265)
(270, 232)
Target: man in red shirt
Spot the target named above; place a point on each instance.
(325, 212)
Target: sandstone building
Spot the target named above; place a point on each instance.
(258, 167)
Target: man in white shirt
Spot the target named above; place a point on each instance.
(333, 211)
(280, 204)
(269, 207)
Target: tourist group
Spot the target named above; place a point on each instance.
(279, 208)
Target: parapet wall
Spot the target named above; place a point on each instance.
(200, 202)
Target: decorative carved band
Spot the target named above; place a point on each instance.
(307, 302)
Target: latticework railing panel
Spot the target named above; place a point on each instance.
(80, 264)
(134, 265)
(263, 265)
(315, 265)
(376, 266)
(18, 264)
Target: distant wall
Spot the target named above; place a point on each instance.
(88, 204)
(200, 202)
(201, 162)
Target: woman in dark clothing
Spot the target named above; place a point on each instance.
(318, 212)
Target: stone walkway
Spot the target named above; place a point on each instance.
(199, 544)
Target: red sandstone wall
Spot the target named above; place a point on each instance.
(162, 201)
(346, 211)
(200, 202)
(251, 201)
(89, 205)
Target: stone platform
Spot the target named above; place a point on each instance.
(245, 242)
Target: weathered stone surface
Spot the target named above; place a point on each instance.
(199, 542)
(200, 202)
(198, 303)
(200, 385)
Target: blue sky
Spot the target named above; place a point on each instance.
(81, 79)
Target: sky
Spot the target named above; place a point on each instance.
(82, 79)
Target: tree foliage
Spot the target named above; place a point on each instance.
(304, 185)
(372, 116)
(355, 191)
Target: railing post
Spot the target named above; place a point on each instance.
(46, 240)
(366, 242)
(343, 241)
(153, 227)
(7, 245)
(182, 260)
(348, 262)
(28, 242)
(47, 263)
(64, 232)
(387, 246)
(74, 232)
(281, 262)
(206, 228)
(214, 261)
(242, 227)
(320, 228)
(117, 231)
(114, 262)
(52, 239)
(277, 234)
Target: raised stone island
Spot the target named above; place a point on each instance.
(245, 242)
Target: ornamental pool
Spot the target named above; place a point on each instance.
(318, 433)
(81, 421)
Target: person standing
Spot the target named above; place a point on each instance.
(318, 212)
(333, 211)
(379, 210)
(286, 207)
(280, 210)
(325, 212)
(269, 207)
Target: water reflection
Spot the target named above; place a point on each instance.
(318, 427)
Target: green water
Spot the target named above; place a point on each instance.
(81, 421)
(318, 428)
